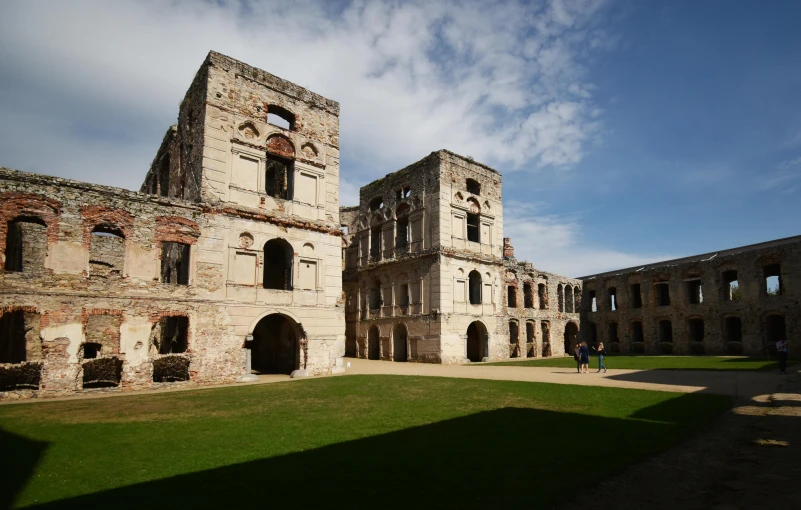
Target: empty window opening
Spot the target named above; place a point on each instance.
(528, 295)
(375, 243)
(775, 330)
(542, 294)
(636, 296)
(569, 299)
(13, 337)
(665, 331)
(576, 299)
(612, 332)
(403, 298)
(105, 369)
(662, 294)
(696, 329)
(531, 348)
(164, 176)
(773, 282)
(546, 338)
(514, 340)
(731, 286)
(278, 255)
(472, 228)
(92, 350)
(475, 287)
(26, 244)
(592, 333)
(695, 292)
(473, 187)
(560, 298)
(171, 334)
(175, 263)
(612, 295)
(344, 229)
(278, 177)
(733, 329)
(376, 204)
(374, 295)
(637, 335)
(106, 252)
(402, 232)
(403, 193)
(511, 296)
(593, 301)
(280, 117)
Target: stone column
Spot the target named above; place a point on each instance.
(248, 376)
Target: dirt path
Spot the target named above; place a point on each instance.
(730, 383)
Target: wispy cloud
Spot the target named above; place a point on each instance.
(502, 81)
(554, 243)
(785, 177)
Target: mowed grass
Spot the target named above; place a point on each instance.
(355, 441)
(656, 363)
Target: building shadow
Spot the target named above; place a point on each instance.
(494, 459)
(18, 459)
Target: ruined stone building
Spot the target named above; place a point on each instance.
(429, 277)
(737, 301)
(233, 242)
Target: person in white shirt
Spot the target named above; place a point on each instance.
(781, 346)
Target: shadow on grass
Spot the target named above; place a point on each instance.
(18, 459)
(493, 459)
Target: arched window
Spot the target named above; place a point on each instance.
(473, 187)
(26, 244)
(278, 265)
(106, 251)
(528, 295)
(475, 287)
(376, 204)
(281, 117)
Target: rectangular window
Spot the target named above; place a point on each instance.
(773, 282)
(695, 293)
(375, 243)
(244, 268)
(511, 296)
(485, 233)
(306, 188)
(459, 291)
(458, 226)
(731, 286)
(593, 301)
(472, 228)
(307, 277)
(415, 292)
(636, 296)
(403, 295)
(175, 263)
(612, 298)
(661, 294)
(278, 177)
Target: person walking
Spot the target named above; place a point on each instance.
(577, 356)
(601, 353)
(781, 346)
(584, 358)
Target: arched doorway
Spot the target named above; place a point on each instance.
(278, 265)
(275, 348)
(571, 337)
(399, 352)
(476, 341)
(373, 347)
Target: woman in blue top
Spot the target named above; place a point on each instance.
(584, 358)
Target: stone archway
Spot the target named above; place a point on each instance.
(276, 345)
(373, 343)
(476, 342)
(399, 350)
(571, 337)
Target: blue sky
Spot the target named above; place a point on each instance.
(627, 132)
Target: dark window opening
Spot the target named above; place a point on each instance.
(696, 330)
(174, 263)
(13, 348)
(731, 286)
(280, 117)
(528, 295)
(531, 349)
(775, 330)
(278, 256)
(402, 234)
(773, 281)
(593, 301)
(560, 304)
(172, 335)
(734, 329)
(376, 204)
(511, 296)
(278, 177)
(91, 350)
(514, 340)
(374, 296)
(542, 294)
(637, 332)
(106, 251)
(569, 299)
(164, 176)
(475, 287)
(612, 332)
(695, 292)
(665, 331)
(612, 295)
(473, 187)
(403, 299)
(592, 333)
(546, 338)
(375, 243)
(662, 294)
(473, 228)
(636, 296)
(403, 193)
(26, 244)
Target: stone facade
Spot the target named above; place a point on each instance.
(427, 271)
(737, 301)
(233, 242)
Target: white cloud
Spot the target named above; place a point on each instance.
(785, 177)
(554, 244)
(504, 82)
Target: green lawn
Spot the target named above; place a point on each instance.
(382, 441)
(655, 363)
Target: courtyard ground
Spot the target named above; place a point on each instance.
(370, 440)
(741, 363)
